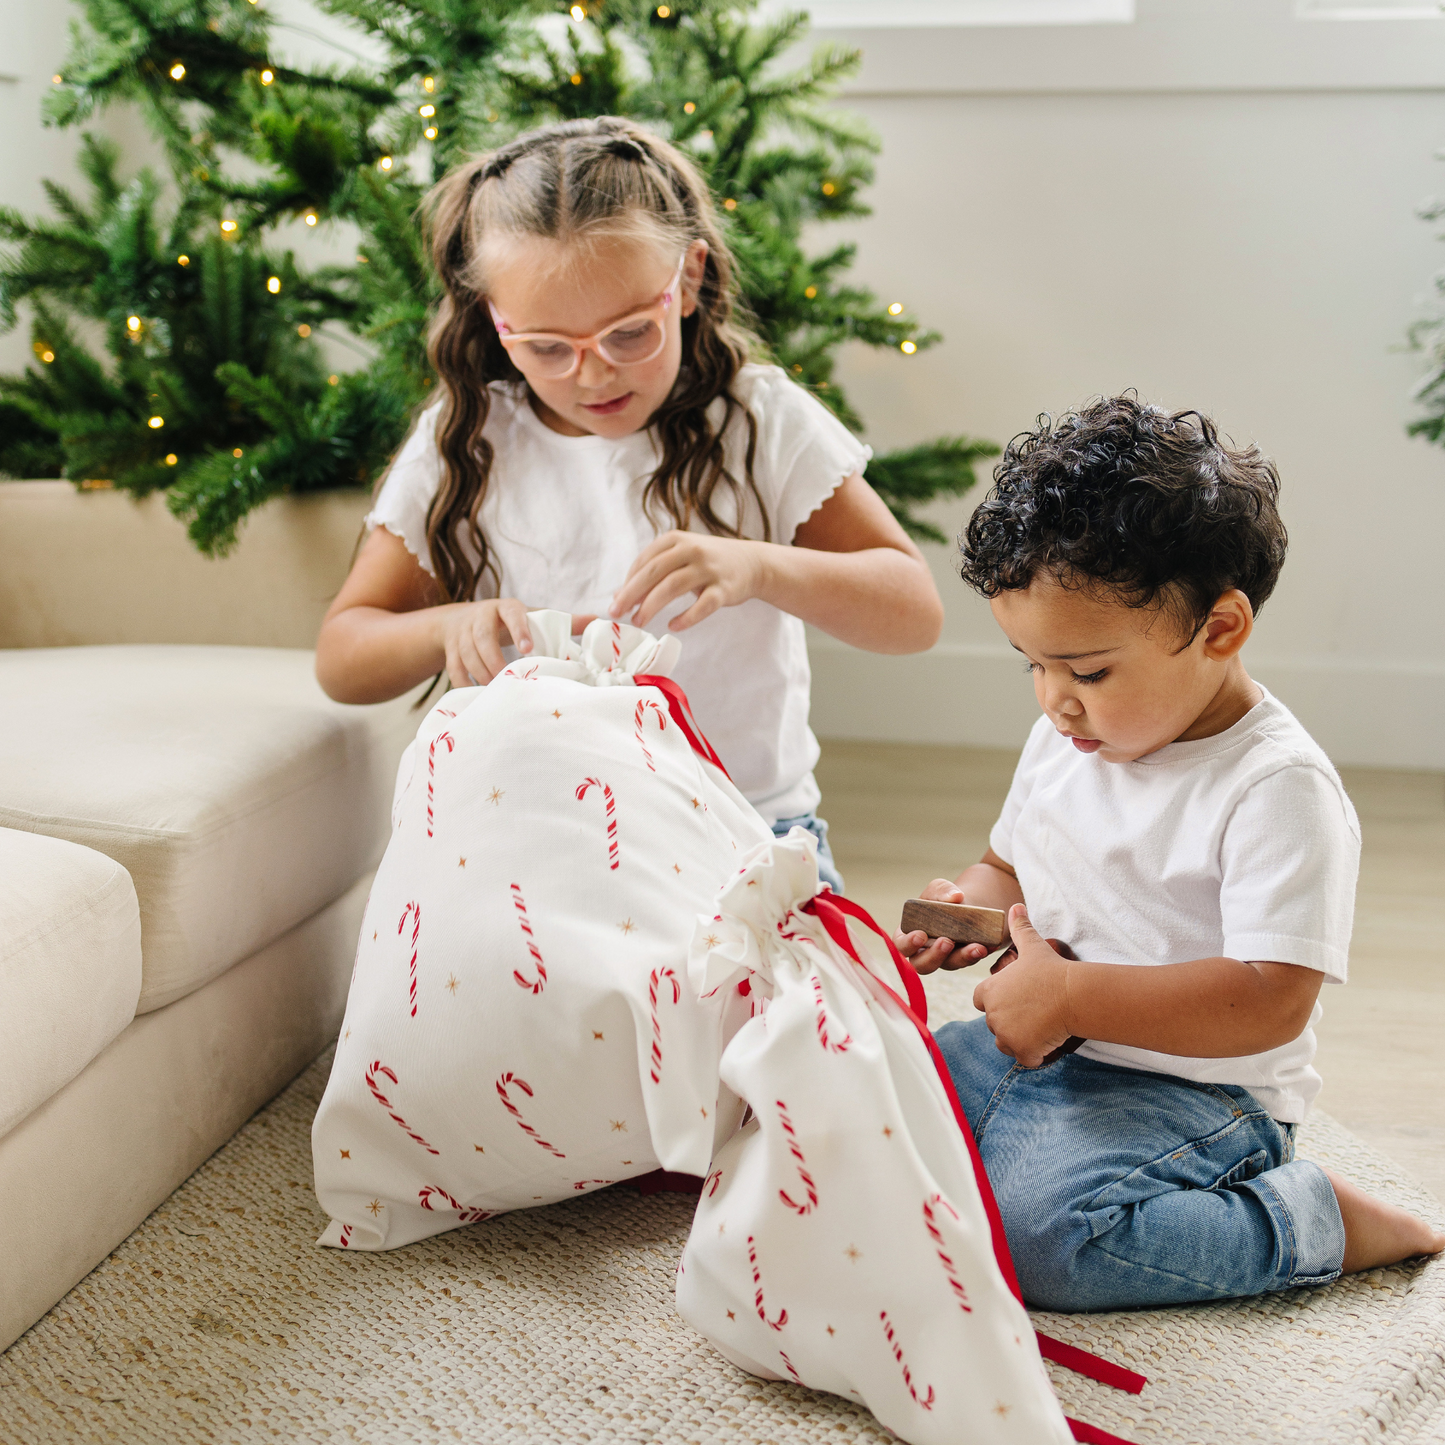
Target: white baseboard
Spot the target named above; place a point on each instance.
(1364, 714)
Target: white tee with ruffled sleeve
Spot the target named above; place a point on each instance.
(564, 519)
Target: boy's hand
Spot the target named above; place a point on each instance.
(1027, 1003)
(927, 954)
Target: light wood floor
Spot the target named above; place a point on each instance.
(902, 814)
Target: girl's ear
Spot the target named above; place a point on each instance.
(693, 269)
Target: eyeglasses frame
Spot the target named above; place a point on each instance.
(656, 312)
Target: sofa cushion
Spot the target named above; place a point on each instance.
(237, 795)
(69, 965)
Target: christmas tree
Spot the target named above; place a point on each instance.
(211, 381)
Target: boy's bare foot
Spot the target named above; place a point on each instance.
(1377, 1233)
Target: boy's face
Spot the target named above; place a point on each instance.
(1118, 680)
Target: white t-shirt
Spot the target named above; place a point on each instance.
(1243, 845)
(563, 516)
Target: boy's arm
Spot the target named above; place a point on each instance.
(989, 883)
(1206, 1008)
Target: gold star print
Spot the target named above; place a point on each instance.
(731, 1315)
(597, 1034)
(348, 1033)
(346, 1153)
(495, 796)
(627, 1161)
(721, 1227)
(555, 713)
(619, 1126)
(704, 1113)
(479, 1148)
(452, 982)
(854, 1253)
(711, 941)
(676, 869)
(696, 804)
(752, 882)
(887, 1132)
(373, 938)
(830, 1329)
(627, 925)
(375, 1207)
(461, 862)
(1000, 1409)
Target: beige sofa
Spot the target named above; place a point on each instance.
(187, 832)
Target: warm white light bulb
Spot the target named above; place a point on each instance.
(273, 284)
(133, 323)
(908, 347)
(178, 71)
(156, 423)
(267, 76)
(896, 308)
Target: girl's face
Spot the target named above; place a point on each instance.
(538, 284)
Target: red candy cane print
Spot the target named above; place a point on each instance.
(758, 1304)
(823, 1022)
(415, 910)
(468, 1216)
(925, 1404)
(711, 1183)
(803, 1174)
(616, 647)
(611, 813)
(639, 717)
(346, 1236)
(431, 772)
(930, 1222)
(657, 975)
(379, 1068)
(541, 980)
(516, 1113)
(601, 1183)
(791, 1370)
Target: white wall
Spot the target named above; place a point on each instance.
(1214, 205)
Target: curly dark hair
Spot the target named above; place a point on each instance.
(1146, 505)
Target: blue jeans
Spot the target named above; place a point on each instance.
(1121, 1188)
(827, 869)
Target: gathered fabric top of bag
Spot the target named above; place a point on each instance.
(608, 654)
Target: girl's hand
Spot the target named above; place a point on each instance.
(722, 571)
(472, 635)
(927, 954)
(1027, 1003)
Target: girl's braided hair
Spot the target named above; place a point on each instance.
(578, 181)
(1150, 506)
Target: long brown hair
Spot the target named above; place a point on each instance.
(579, 180)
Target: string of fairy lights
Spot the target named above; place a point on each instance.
(230, 228)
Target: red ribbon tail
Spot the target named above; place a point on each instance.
(1092, 1435)
(1071, 1357)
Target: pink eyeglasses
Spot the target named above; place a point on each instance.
(634, 339)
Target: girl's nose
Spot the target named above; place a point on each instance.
(1059, 700)
(593, 370)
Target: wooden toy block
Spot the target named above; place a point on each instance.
(961, 922)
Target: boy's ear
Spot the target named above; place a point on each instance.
(1230, 622)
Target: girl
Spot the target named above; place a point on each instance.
(595, 387)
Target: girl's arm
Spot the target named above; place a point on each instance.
(851, 571)
(384, 634)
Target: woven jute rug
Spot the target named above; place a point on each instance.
(220, 1320)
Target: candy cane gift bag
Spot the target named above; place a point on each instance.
(846, 1237)
(519, 1027)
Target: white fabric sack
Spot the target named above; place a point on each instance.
(843, 1237)
(519, 1027)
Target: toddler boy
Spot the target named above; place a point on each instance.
(1176, 827)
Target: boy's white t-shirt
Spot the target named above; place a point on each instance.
(1244, 845)
(564, 519)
